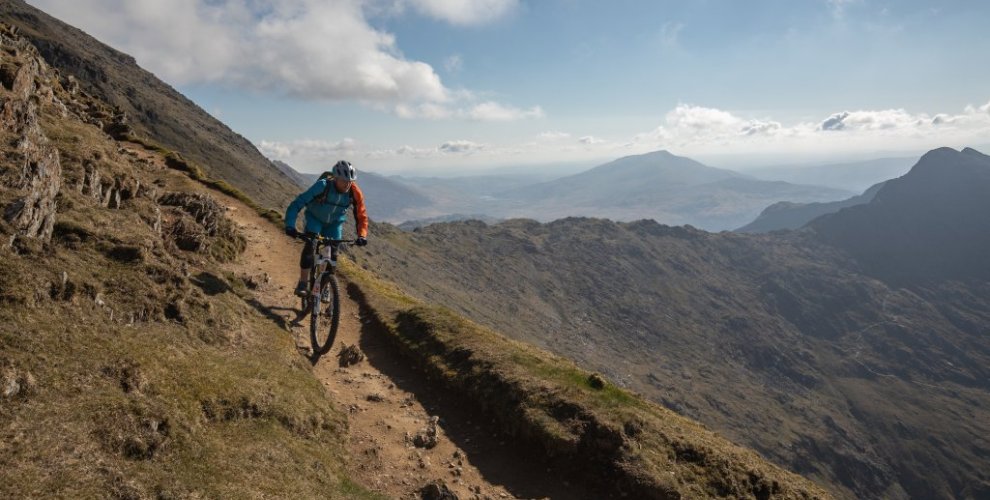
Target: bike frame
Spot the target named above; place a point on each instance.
(322, 264)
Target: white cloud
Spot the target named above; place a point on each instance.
(275, 150)
(700, 118)
(493, 111)
(887, 119)
(488, 111)
(970, 110)
(691, 128)
(590, 140)
(460, 147)
(308, 148)
(308, 49)
(465, 12)
(553, 135)
(757, 127)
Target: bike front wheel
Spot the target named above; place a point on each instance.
(325, 317)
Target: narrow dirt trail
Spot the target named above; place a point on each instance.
(387, 402)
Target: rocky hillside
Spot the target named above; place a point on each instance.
(131, 364)
(141, 102)
(787, 343)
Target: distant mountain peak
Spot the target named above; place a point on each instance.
(973, 152)
(931, 223)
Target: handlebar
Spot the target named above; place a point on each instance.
(321, 240)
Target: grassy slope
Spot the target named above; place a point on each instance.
(144, 372)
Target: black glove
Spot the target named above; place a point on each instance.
(291, 232)
(361, 241)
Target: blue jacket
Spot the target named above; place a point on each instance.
(333, 210)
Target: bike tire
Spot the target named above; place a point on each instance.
(321, 323)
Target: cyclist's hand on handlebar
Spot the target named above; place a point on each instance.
(361, 241)
(291, 232)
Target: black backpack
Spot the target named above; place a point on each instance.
(328, 175)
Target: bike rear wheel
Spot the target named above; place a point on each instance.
(325, 317)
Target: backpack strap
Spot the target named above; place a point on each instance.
(328, 176)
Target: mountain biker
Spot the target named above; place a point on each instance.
(326, 205)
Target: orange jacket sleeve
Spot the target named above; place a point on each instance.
(360, 212)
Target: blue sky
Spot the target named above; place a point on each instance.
(410, 86)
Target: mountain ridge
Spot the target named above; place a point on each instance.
(928, 224)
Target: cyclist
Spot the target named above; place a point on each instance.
(326, 204)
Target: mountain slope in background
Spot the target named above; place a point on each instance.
(931, 224)
(663, 187)
(152, 107)
(789, 215)
(786, 342)
(302, 181)
(627, 179)
(851, 176)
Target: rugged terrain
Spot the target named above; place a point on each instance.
(149, 347)
(856, 353)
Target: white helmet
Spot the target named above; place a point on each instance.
(344, 170)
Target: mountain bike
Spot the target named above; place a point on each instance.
(323, 292)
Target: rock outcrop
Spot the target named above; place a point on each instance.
(25, 73)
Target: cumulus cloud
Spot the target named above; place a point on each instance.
(308, 49)
(834, 122)
(465, 12)
(693, 128)
(307, 148)
(757, 127)
(590, 140)
(488, 111)
(874, 120)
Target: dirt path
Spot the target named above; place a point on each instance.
(388, 403)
